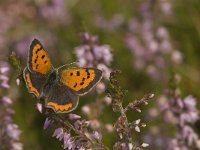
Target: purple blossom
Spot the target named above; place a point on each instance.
(109, 25)
(77, 135)
(47, 123)
(150, 44)
(96, 136)
(10, 133)
(4, 69)
(13, 132)
(92, 54)
(58, 133)
(74, 116)
(166, 7)
(4, 81)
(6, 100)
(55, 11)
(183, 113)
(68, 142)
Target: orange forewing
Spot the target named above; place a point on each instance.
(38, 59)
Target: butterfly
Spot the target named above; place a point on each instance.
(59, 87)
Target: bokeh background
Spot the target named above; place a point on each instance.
(150, 42)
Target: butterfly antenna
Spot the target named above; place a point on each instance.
(72, 63)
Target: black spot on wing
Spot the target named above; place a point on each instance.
(39, 49)
(43, 56)
(88, 73)
(81, 83)
(71, 74)
(78, 73)
(75, 85)
(45, 62)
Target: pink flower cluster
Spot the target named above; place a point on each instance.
(150, 43)
(9, 131)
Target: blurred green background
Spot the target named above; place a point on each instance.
(57, 23)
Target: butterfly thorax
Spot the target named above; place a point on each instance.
(52, 79)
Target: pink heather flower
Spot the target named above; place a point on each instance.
(74, 116)
(55, 11)
(107, 100)
(9, 131)
(176, 57)
(190, 103)
(91, 54)
(47, 123)
(6, 100)
(86, 109)
(95, 124)
(79, 123)
(96, 136)
(105, 69)
(4, 78)
(17, 146)
(58, 133)
(68, 142)
(150, 44)
(166, 7)
(13, 131)
(5, 85)
(109, 25)
(109, 127)
(4, 69)
(183, 113)
(21, 46)
(100, 87)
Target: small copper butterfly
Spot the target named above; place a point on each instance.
(60, 87)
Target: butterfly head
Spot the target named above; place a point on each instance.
(52, 77)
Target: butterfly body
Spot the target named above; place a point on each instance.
(52, 79)
(60, 87)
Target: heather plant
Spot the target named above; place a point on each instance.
(149, 42)
(75, 132)
(180, 114)
(9, 130)
(123, 126)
